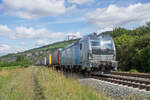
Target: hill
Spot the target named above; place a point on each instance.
(36, 54)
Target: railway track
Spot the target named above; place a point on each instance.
(131, 80)
(125, 81)
(147, 76)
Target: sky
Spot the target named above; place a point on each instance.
(27, 24)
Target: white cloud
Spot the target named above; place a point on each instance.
(4, 30)
(74, 35)
(5, 49)
(105, 29)
(42, 42)
(30, 33)
(63, 21)
(41, 35)
(22, 43)
(34, 8)
(81, 2)
(23, 33)
(114, 16)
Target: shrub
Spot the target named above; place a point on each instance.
(20, 61)
(133, 71)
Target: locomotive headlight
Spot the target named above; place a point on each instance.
(89, 55)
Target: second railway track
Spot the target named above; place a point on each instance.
(147, 76)
(126, 81)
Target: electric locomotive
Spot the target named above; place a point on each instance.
(92, 53)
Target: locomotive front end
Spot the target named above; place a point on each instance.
(102, 55)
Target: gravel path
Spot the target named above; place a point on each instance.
(116, 91)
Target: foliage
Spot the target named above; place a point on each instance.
(133, 71)
(24, 61)
(10, 68)
(20, 61)
(118, 32)
(133, 48)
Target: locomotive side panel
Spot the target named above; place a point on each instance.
(84, 49)
(70, 55)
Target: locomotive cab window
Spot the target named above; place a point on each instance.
(80, 46)
(106, 44)
(95, 43)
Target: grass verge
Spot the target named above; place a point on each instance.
(40, 83)
(10, 68)
(17, 85)
(56, 87)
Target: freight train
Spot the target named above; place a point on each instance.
(92, 53)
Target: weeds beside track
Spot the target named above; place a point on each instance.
(41, 83)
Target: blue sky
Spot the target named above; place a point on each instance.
(26, 24)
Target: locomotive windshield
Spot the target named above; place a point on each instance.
(95, 43)
(106, 44)
(102, 46)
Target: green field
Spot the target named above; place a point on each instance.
(41, 83)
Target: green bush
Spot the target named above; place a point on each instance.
(133, 48)
(10, 67)
(133, 71)
(20, 61)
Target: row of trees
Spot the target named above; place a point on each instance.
(20, 61)
(133, 48)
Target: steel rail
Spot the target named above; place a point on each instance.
(132, 74)
(124, 81)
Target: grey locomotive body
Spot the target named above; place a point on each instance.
(91, 53)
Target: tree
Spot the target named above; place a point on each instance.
(118, 32)
(22, 60)
(133, 48)
(148, 24)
